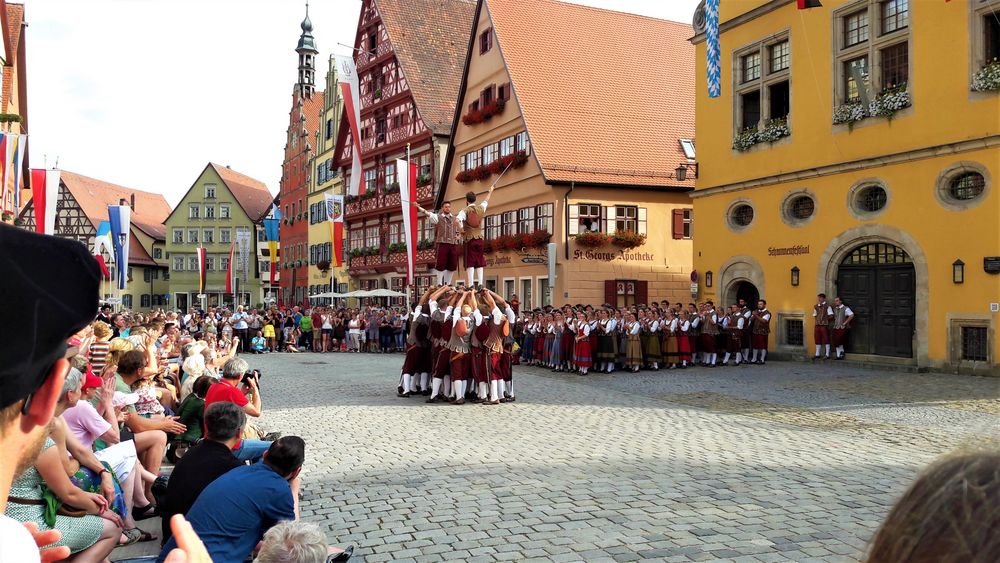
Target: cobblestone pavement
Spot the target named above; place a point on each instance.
(788, 462)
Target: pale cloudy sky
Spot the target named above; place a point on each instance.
(143, 93)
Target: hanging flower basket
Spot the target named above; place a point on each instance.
(489, 246)
(540, 238)
(323, 265)
(628, 239)
(593, 239)
(485, 113)
(7, 215)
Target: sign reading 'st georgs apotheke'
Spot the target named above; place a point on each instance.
(609, 256)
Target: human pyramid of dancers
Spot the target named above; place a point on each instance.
(460, 340)
(660, 336)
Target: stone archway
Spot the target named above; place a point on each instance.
(736, 271)
(846, 242)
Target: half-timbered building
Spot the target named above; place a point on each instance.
(409, 57)
(13, 101)
(81, 207)
(597, 145)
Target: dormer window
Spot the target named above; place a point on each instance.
(485, 41)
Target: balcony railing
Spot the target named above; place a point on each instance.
(385, 201)
(386, 262)
(365, 58)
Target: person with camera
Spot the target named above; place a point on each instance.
(241, 387)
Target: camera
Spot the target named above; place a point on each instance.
(251, 374)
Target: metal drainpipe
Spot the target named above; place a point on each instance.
(566, 222)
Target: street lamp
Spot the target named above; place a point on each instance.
(682, 169)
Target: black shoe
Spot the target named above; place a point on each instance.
(839, 358)
(826, 358)
(148, 511)
(815, 358)
(431, 400)
(344, 556)
(426, 392)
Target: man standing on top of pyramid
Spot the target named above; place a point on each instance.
(471, 219)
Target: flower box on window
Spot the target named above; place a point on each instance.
(988, 78)
(593, 239)
(628, 239)
(391, 188)
(484, 171)
(489, 246)
(396, 247)
(540, 238)
(886, 104)
(484, 113)
(355, 252)
(772, 131)
(423, 180)
(323, 265)
(425, 244)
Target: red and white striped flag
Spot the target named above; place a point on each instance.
(407, 174)
(45, 195)
(347, 77)
(229, 269)
(201, 269)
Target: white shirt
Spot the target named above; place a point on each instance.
(636, 327)
(766, 316)
(685, 326)
(16, 544)
(461, 214)
(586, 330)
(829, 311)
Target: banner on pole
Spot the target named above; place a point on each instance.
(347, 77)
(243, 243)
(407, 174)
(120, 218)
(335, 218)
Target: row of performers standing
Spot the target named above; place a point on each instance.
(459, 348)
(574, 340)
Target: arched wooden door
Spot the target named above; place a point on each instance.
(877, 282)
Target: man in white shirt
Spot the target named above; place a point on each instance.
(447, 241)
(240, 326)
(842, 317)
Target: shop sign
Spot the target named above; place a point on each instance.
(787, 250)
(991, 264)
(497, 261)
(606, 256)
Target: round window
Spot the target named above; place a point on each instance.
(741, 215)
(802, 207)
(967, 186)
(871, 199)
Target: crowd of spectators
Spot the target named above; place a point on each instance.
(92, 400)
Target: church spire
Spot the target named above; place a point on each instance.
(307, 51)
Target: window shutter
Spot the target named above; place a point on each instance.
(642, 292)
(574, 219)
(608, 218)
(678, 223)
(611, 293)
(641, 220)
(493, 91)
(506, 91)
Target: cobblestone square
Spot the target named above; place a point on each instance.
(788, 462)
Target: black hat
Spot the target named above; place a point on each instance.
(55, 282)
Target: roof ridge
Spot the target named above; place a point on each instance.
(220, 168)
(63, 171)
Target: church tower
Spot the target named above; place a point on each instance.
(306, 49)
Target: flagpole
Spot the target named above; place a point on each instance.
(410, 277)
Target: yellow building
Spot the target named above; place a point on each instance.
(324, 275)
(852, 152)
(592, 142)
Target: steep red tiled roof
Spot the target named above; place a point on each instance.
(94, 197)
(430, 39)
(312, 108)
(252, 195)
(605, 95)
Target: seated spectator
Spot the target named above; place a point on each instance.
(229, 389)
(298, 542)
(949, 514)
(257, 343)
(100, 347)
(205, 462)
(90, 529)
(150, 433)
(192, 410)
(86, 425)
(233, 512)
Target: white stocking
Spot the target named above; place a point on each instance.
(406, 382)
(817, 349)
(725, 359)
(510, 387)
(447, 386)
(494, 390)
(468, 276)
(483, 389)
(439, 275)
(435, 387)
(755, 355)
(423, 381)
(827, 350)
(763, 355)
(479, 275)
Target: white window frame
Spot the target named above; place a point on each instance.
(208, 236)
(211, 190)
(225, 211)
(872, 48)
(763, 83)
(194, 239)
(225, 236)
(175, 237)
(194, 211)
